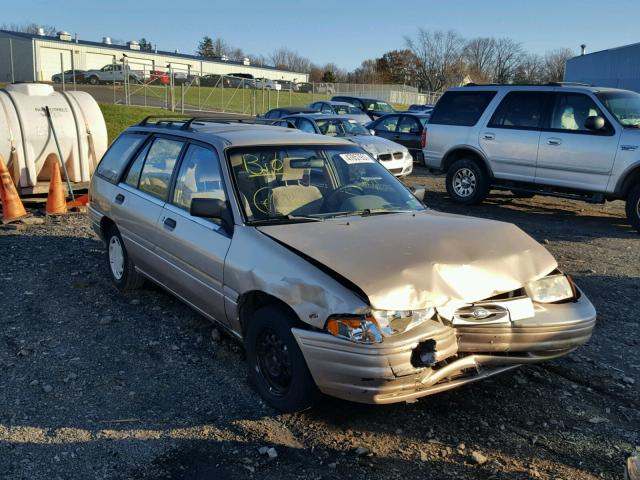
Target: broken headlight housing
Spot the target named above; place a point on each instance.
(551, 289)
(372, 327)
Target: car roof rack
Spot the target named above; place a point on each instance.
(185, 122)
(547, 84)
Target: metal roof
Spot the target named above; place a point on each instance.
(35, 36)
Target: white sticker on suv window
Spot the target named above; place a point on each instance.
(353, 158)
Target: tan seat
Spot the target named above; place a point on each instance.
(293, 197)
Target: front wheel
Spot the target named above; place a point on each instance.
(93, 80)
(467, 182)
(632, 207)
(276, 365)
(123, 272)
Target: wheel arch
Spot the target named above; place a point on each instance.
(105, 224)
(469, 152)
(628, 180)
(251, 301)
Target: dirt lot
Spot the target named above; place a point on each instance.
(96, 384)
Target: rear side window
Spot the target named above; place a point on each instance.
(199, 177)
(158, 167)
(118, 155)
(461, 108)
(520, 110)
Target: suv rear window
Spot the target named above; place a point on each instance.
(461, 108)
(520, 110)
(114, 161)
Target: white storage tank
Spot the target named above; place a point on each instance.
(27, 144)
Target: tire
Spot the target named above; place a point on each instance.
(93, 80)
(467, 183)
(121, 268)
(632, 207)
(276, 365)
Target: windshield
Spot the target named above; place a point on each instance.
(338, 127)
(347, 110)
(378, 105)
(625, 106)
(312, 183)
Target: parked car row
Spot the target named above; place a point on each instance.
(332, 273)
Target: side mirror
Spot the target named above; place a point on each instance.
(213, 208)
(595, 122)
(419, 193)
(372, 131)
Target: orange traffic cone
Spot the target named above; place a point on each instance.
(80, 201)
(12, 208)
(56, 202)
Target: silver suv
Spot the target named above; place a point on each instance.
(333, 275)
(566, 140)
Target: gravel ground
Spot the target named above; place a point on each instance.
(97, 384)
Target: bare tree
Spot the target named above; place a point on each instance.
(439, 58)
(555, 62)
(29, 28)
(479, 55)
(367, 72)
(530, 69)
(288, 59)
(508, 54)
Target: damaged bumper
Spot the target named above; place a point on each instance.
(387, 372)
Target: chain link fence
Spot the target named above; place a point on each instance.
(183, 90)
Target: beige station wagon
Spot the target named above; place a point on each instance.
(333, 275)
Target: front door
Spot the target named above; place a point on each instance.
(571, 155)
(409, 133)
(194, 249)
(510, 139)
(387, 127)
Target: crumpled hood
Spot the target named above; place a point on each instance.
(377, 145)
(430, 259)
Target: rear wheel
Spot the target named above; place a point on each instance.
(276, 365)
(467, 182)
(123, 272)
(93, 80)
(632, 207)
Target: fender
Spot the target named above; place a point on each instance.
(623, 182)
(454, 150)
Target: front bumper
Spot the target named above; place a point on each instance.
(384, 373)
(399, 167)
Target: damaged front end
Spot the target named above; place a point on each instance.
(362, 358)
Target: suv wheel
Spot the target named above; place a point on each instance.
(632, 207)
(276, 365)
(466, 182)
(122, 270)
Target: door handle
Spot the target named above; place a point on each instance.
(489, 136)
(554, 141)
(119, 199)
(170, 223)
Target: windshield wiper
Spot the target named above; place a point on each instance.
(286, 219)
(367, 212)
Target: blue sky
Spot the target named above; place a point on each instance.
(341, 31)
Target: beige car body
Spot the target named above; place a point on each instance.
(349, 265)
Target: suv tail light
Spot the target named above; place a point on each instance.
(423, 139)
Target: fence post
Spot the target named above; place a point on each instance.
(182, 95)
(73, 70)
(113, 77)
(62, 70)
(13, 77)
(254, 94)
(313, 89)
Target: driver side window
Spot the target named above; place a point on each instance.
(388, 124)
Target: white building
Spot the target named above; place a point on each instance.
(617, 67)
(34, 57)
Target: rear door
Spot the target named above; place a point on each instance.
(571, 155)
(193, 249)
(141, 198)
(510, 139)
(409, 132)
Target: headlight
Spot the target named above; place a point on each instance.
(552, 288)
(371, 328)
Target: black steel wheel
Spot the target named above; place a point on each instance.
(276, 365)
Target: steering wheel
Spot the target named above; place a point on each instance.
(344, 188)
